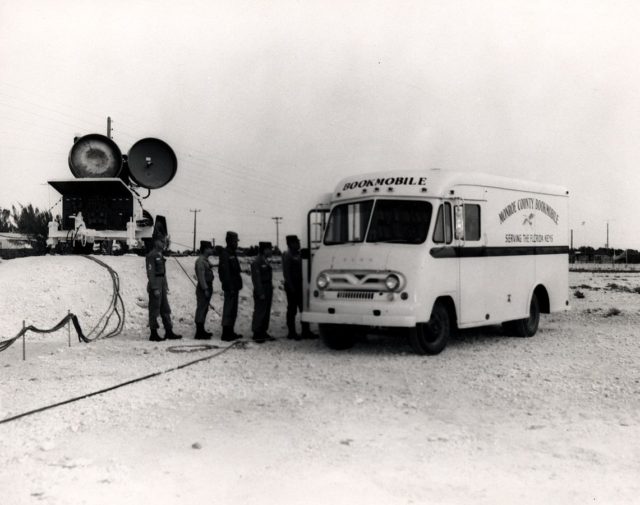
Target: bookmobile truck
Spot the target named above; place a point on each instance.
(435, 251)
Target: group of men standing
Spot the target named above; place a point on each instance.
(230, 276)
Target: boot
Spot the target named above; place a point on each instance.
(291, 328)
(200, 333)
(168, 333)
(259, 338)
(307, 333)
(154, 336)
(228, 335)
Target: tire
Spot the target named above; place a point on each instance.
(528, 326)
(338, 337)
(432, 337)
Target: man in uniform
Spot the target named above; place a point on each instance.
(292, 272)
(157, 288)
(204, 289)
(261, 275)
(231, 280)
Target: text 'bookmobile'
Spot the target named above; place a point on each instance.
(437, 250)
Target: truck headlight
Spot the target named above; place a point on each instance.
(323, 281)
(392, 282)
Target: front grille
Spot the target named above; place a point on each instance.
(356, 295)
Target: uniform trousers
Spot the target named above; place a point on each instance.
(230, 308)
(294, 305)
(261, 313)
(159, 306)
(202, 305)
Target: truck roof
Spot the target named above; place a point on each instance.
(433, 182)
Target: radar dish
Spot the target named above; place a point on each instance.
(152, 163)
(95, 155)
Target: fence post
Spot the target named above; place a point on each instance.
(24, 345)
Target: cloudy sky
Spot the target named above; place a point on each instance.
(269, 103)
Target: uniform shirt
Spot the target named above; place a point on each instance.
(204, 273)
(156, 270)
(292, 271)
(229, 271)
(261, 275)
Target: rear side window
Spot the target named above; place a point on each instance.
(442, 232)
(471, 222)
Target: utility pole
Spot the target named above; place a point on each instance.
(277, 220)
(109, 126)
(195, 214)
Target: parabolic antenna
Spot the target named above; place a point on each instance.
(152, 163)
(95, 155)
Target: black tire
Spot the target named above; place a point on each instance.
(338, 337)
(528, 326)
(432, 337)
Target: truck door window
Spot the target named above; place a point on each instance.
(442, 232)
(400, 221)
(348, 223)
(471, 222)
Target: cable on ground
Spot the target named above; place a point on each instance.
(116, 308)
(105, 390)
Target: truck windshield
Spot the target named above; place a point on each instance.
(348, 223)
(390, 221)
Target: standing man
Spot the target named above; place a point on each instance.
(261, 275)
(204, 289)
(292, 272)
(231, 280)
(158, 289)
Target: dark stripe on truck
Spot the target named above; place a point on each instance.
(476, 252)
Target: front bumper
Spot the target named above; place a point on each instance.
(359, 319)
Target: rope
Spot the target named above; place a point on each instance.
(111, 388)
(5, 344)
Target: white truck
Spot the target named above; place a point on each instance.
(436, 250)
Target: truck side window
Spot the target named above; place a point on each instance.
(471, 222)
(442, 232)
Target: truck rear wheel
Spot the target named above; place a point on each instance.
(528, 326)
(432, 337)
(338, 337)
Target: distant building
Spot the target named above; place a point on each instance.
(10, 240)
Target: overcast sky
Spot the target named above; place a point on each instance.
(269, 103)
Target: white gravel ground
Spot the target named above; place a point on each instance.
(554, 419)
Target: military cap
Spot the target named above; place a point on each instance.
(291, 239)
(262, 246)
(204, 245)
(231, 235)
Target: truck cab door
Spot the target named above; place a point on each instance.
(472, 273)
(316, 223)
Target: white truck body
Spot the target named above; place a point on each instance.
(481, 244)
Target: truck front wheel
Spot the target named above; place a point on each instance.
(338, 336)
(432, 337)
